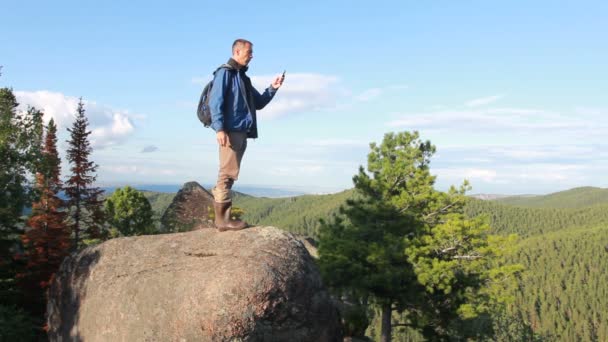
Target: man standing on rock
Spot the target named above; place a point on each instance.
(233, 102)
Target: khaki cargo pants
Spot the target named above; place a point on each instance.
(230, 165)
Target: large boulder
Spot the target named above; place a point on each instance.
(189, 209)
(258, 284)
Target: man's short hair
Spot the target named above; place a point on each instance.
(240, 42)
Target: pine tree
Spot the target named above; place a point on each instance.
(408, 247)
(362, 249)
(46, 239)
(84, 200)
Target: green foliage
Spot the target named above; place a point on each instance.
(464, 275)
(21, 156)
(409, 247)
(129, 212)
(377, 267)
(13, 153)
(20, 151)
(16, 325)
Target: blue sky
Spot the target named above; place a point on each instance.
(512, 93)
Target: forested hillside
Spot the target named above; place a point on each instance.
(531, 221)
(159, 201)
(563, 292)
(573, 198)
(299, 214)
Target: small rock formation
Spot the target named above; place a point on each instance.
(258, 284)
(190, 209)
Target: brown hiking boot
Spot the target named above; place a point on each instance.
(223, 221)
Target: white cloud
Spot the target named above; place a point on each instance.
(483, 101)
(592, 112)
(515, 177)
(374, 93)
(537, 152)
(520, 156)
(121, 169)
(550, 173)
(503, 120)
(109, 126)
(471, 174)
(300, 93)
(486, 175)
(513, 169)
(517, 111)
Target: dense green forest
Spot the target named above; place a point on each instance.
(526, 222)
(574, 198)
(563, 292)
(299, 214)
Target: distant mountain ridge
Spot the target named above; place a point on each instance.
(301, 214)
(573, 198)
(488, 197)
(258, 191)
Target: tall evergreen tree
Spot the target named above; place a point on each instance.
(407, 247)
(12, 191)
(12, 169)
(46, 239)
(19, 151)
(84, 200)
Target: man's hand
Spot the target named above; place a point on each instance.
(278, 82)
(222, 138)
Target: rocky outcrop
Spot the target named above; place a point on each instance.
(189, 209)
(258, 284)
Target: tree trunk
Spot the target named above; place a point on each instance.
(386, 323)
(77, 223)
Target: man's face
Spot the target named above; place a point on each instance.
(243, 54)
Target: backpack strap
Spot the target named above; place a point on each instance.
(225, 66)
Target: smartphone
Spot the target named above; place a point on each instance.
(283, 76)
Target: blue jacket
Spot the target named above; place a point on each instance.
(229, 111)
